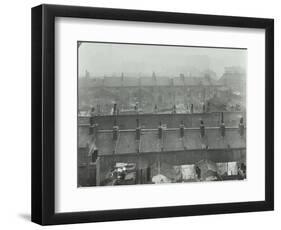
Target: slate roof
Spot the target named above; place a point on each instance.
(105, 143)
(170, 141)
(126, 143)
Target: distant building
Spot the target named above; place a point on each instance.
(234, 78)
(164, 92)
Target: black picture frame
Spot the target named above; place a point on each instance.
(43, 113)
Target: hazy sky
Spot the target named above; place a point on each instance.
(139, 60)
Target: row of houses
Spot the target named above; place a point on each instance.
(148, 92)
(155, 151)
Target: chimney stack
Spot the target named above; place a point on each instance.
(174, 109)
(241, 127)
(91, 127)
(160, 130)
(222, 128)
(182, 129)
(115, 130)
(95, 155)
(92, 109)
(155, 109)
(202, 128)
(138, 130)
(204, 108)
(114, 109)
(191, 108)
(136, 107)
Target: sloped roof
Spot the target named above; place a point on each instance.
(170, 141)
(150, 142)
(126, 143)
(105, 143)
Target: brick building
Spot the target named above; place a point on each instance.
(158, 149)
(164, 92)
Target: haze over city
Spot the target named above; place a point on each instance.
(106, 59)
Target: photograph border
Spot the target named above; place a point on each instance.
(43, 113)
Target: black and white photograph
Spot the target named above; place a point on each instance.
(154, 114)
(149, 113)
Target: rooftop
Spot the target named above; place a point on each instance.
(171, 140)
(151, 121)
(146, 81)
